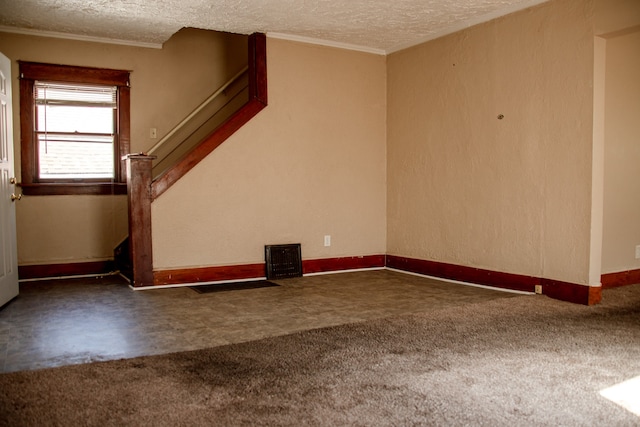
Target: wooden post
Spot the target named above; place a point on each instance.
(139, 199)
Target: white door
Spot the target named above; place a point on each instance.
(8, 249)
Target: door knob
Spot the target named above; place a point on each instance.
(14, 197)
(13, 181)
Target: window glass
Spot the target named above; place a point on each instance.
(75, 157)
(75, 128)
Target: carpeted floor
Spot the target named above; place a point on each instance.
(527, 360)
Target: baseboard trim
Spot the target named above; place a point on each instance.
(208, 274)
(565, 291)
(461, 273)
(50, 271)
(571, 292)
(621, 278)
(257, 271)
(323, 265)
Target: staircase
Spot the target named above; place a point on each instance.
(200, 123)
(150, 174)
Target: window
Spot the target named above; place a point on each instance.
(75, 129)
(74, 125)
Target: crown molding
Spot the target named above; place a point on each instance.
(328, 43)
(77, 37)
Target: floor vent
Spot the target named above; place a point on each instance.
(283, 261)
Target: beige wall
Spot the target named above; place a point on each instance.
(311, 164)
(622, 152)
(511, 195)
(166, 85)
(427, 171)
(615, 15)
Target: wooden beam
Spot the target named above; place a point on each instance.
(138, 168)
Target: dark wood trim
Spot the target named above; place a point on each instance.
(73, 74)
(124, 133)
(258, 67)
(32, 71)
(44, 271)
(28, 149)
(622, 278)
(464, 274)
(342, 263)
(208, 274)
(45, 189)
(572, 292)
(139, 201)
(257, 102)
(254, 271)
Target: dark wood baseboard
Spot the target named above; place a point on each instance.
(571, 292)
(343, 263)
(564, 291)
(44, 271)
(464, 274)
(208, 274)
(254, 271)
(622, 278)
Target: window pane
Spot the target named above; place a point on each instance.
(75, 127)
(75, 156)
(59, 118)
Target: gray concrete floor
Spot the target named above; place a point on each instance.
(69, 321)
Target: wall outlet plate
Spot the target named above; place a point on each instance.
(638, 252)
(538, 289)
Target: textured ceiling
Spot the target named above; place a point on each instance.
(377, 25)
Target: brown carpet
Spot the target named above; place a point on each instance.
(528, 360)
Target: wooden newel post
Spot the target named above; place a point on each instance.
(139, 178)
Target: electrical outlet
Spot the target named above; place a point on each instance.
(638, 252)
(327, 240)
(153, 134)
(538, 289)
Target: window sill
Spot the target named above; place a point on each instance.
(61, 189)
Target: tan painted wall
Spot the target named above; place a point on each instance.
(311, 164)
(463, 187)
(615, 15)
(511, 195)
(166, 85)
(622, 153)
